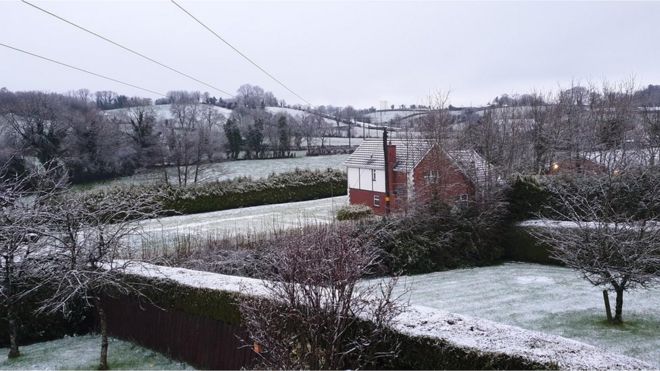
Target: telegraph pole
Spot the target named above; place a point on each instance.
(387, 173)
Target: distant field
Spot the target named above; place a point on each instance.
(232, 169)
(544, 298)
(243, 221)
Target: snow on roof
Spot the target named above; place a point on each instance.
(409, 152)
(419, 321)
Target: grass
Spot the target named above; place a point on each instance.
(550, 299)
(82, 352)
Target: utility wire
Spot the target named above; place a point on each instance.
(126, 48)
(239, 52)
(81, 69)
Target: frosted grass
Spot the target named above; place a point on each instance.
(548, 299)
(82, 353)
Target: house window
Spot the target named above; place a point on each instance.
(376, 200)
(462, 201)
(373, 175)
(432, 177)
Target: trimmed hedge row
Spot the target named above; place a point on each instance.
(299, 185)
(520, 245)
(415, 352)
(354, 212)
(629, 194)
(424, 353)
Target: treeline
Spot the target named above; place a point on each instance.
(647, 97)
(95, 140)
(601, 127)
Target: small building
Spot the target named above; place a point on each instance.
(415, 170)
(576, 166)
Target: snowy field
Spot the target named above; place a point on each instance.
(544, 298)
(234, 169)
(386, 116)
(82, 352)
(244, 221)
(164, 111)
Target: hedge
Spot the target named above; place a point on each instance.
(36, 327)
(414, 352)
(354, 212)
(299, 185)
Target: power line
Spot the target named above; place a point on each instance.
(126, 48)
(81, 69)
(240, 53)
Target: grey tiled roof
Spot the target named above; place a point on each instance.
(409, 152)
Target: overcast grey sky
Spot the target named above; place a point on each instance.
(336, 53)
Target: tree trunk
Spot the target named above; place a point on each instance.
(618, 312)
(608, 309)
(13, 333)
(103, 324)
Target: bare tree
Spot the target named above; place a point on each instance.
(612, 236)
(88, 238)
(142, 120)
(22, 218)
(183, 141)
(317, 312)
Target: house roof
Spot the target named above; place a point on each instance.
(409, 152)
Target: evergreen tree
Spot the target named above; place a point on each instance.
(234, 138)
(255, 138)
(285, 136)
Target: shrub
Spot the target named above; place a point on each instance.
(437, 237)
(354, 212)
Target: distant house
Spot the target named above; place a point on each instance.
(576, 166)
(414, 170)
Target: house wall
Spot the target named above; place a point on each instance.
(361, 179)
(364, 197)
(451, 183)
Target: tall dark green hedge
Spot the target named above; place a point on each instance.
(299, 185)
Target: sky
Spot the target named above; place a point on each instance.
(335, 52)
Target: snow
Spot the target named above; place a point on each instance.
(549, 223)
(234, 169)
(82, 352)
(386, 116)
(298, 114)
(420, 320)
(336, 141)
(245, 221)
(163, 111)
(550, 299)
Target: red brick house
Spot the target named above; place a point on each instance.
(416, 171)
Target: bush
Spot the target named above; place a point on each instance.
(438, 237)
(36, 327)
(354, 212)
(531, 196)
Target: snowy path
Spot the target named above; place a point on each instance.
(247, 220)
(544, 298)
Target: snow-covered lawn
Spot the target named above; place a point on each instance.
(82, 352)
(544, 298)
(246, 221)
(234, 169)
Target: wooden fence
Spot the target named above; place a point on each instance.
(202, 342)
